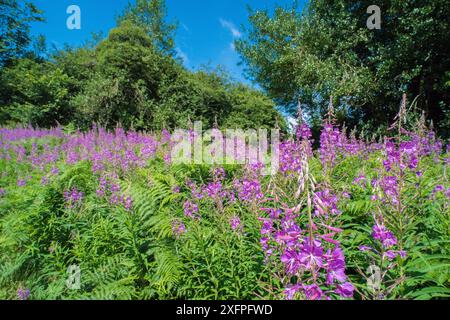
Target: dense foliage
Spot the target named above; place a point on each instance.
(132, 78)
(328, 50)
(15, 18)
(139, 226)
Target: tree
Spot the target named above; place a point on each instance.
(127, 79)
(15, 17)
(152, 16)
(37, 94)
(251, 109)
(199, 96)
(329, 51)
(124, 85)
(211, 97)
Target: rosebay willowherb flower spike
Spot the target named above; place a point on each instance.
(312, 261)
(330, 116)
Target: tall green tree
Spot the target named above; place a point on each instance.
(152, 16)
(36, 93)
(328, 51)
(124, 83)
(15, 19)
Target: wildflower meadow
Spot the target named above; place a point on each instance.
(350, 219)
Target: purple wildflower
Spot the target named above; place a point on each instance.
(219, 173)
(249, 190)
(311, 255)
(291, 290)
(336, 267)
(290, 259)
(303, 132)
(178, 228)
(73, 197)
(190, 209)
(381, 233)
(127, 202)
(325, 203)
(365, 248)
(235, 223)
(44, 180)
(23, 294)
(345, 290)
(114, 199)
(312, 292)
(54, 170)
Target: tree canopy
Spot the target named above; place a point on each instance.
(328, 51)
(152, 16)
(131, 78)
(15, 18)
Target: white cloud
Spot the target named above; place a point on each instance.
(231, 27)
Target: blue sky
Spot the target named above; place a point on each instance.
(206, 30)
